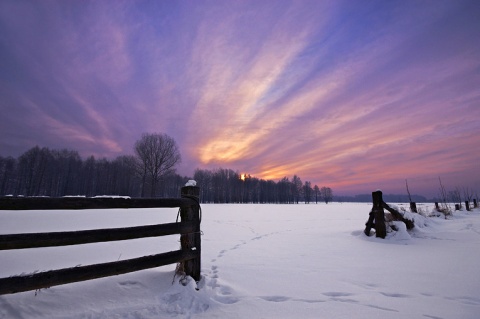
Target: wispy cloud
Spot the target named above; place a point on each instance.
(344, 93)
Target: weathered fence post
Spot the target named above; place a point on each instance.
(437, 207)
(457, 206)
(192, 240)
(413, 207)
(467, 205)
(379, 214)
(475, 203)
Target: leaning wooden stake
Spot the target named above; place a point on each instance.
(397, 216)
(191, 241)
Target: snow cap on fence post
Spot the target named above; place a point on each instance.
(191, 182)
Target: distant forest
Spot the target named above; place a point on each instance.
(391, 198)
(57, 173)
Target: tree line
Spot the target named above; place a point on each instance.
(228, 186)
(57, 173)
(148, 173)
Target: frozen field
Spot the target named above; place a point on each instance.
(258, 261)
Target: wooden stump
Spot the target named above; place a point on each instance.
(475, 203)
(467, 205)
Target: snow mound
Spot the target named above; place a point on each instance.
(185, 298)
(398, 231)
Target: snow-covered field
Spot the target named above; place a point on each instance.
(258, 261)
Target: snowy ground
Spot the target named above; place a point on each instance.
(258, 261)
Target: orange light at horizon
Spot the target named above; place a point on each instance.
(242, 177)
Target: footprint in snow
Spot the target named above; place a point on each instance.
(275, 298)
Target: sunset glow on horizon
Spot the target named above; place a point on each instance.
(354, 95)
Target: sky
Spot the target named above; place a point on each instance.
(355, 95)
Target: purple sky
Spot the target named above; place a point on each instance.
(355, 95)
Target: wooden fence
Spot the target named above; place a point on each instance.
(459, 206)
(377, 216)
(189, 229)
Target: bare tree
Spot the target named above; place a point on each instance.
(307, 192)
(408, 191)
(446, 210)
(467, 194)
(317, 192)
(8, 175)
(157, 155)
(327, 194)
(455, 197)
(297, 186)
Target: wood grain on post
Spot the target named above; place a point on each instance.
(191, 241)
(380, 229)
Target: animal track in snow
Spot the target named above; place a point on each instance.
(382, 308)
(129, 284)
(466, 300)
(395, 295)
(337, 294)
(310, 300)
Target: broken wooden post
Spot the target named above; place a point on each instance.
(457, 206)
(191, 241)
(413, 207)
(379, 214)
(467, 205)
(475, 203)
(437, 207)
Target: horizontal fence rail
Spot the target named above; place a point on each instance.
(189, 229)
(51, 278)
(37, 240)
(44, 203)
